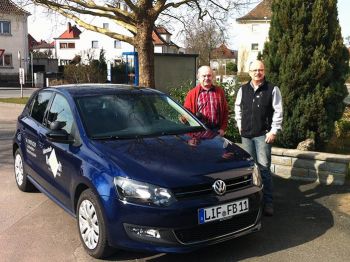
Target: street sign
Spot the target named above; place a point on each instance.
(21, 75)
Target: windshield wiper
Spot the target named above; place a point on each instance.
(104, 137)
(114, 137)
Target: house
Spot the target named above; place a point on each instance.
(13, 39)
(220, 57)
(254, 28)
(162, 41)
(41, 48)
(87, 45)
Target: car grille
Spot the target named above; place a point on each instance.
(232, 184)
(213, 230)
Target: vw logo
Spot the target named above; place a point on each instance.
(219, 187)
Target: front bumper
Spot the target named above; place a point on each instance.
(176, 229)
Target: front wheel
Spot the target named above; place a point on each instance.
(20, 174)
(92, 227)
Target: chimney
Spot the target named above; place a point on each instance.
(69, 27)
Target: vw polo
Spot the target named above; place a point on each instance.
(119, 159)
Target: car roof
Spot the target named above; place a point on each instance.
(79, 90)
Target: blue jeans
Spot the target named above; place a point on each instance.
(261, 153)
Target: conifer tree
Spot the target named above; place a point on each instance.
(306, 58)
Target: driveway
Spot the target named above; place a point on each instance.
(311, 223)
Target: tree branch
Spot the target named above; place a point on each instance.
(94, 28)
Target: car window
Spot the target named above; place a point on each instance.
(133, 115)
(40, 103)
(60, 111)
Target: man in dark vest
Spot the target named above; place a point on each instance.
(258, 113)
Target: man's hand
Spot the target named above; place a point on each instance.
(183, 119)
(270, 138)
(221, 132)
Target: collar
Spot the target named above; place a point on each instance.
(211, 89)
(261, 84)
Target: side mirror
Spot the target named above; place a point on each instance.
(57, 134)
(57, 125)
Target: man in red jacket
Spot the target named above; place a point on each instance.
(208, 101)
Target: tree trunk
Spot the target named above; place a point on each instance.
(144, 47)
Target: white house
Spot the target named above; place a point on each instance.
(13, 38)
(254, 30)
(87, 44)
(162, 41)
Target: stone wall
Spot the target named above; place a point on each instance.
(330, 169)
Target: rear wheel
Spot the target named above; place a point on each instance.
(20, 174)
(92, 227)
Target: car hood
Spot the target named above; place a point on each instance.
(174, 160)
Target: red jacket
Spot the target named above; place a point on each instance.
(191, 104)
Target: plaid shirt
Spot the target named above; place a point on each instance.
(208, 105)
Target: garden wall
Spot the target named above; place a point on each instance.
(325, 168)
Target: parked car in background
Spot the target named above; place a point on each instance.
(119, 159)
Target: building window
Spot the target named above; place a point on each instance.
(118, 61)
(67, 45)
(255, 47)
(65, 62)
(6, 60)
(117, 44)
(94, 44)
(5, 27)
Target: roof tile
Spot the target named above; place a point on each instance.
(8, 7)
(261, 12)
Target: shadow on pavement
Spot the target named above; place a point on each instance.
(302, 214)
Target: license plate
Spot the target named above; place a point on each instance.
(224, 211)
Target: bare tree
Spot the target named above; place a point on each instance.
(139, 19)
(202, 37)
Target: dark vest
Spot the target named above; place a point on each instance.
(257, 110)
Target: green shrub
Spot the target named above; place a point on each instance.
(307, 59)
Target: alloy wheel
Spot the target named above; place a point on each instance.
(19, 169)
(88, 224)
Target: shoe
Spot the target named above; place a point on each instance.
(268, 210)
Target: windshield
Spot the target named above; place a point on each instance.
(134, 115)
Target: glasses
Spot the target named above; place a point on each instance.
(257, 70)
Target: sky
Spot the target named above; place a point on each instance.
(42, 27)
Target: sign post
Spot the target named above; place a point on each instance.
(21, 79)
(21, 72)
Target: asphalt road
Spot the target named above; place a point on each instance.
(6, 92)
(311, 223)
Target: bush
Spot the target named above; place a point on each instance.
(231, 68)
(231, 88)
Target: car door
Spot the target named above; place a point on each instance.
(30, 128)
(62, 159)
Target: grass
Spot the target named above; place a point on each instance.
(15, 100)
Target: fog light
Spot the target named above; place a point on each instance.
(149, 234)
(143, 232)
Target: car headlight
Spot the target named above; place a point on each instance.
(257, 176)
(142, 193)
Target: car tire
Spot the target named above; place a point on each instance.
(92, 226)
(20, 174)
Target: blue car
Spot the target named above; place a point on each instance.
(136, 169)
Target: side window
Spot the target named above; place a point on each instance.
(60, 111)
(40, 103)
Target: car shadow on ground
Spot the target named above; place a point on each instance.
(302, 214)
